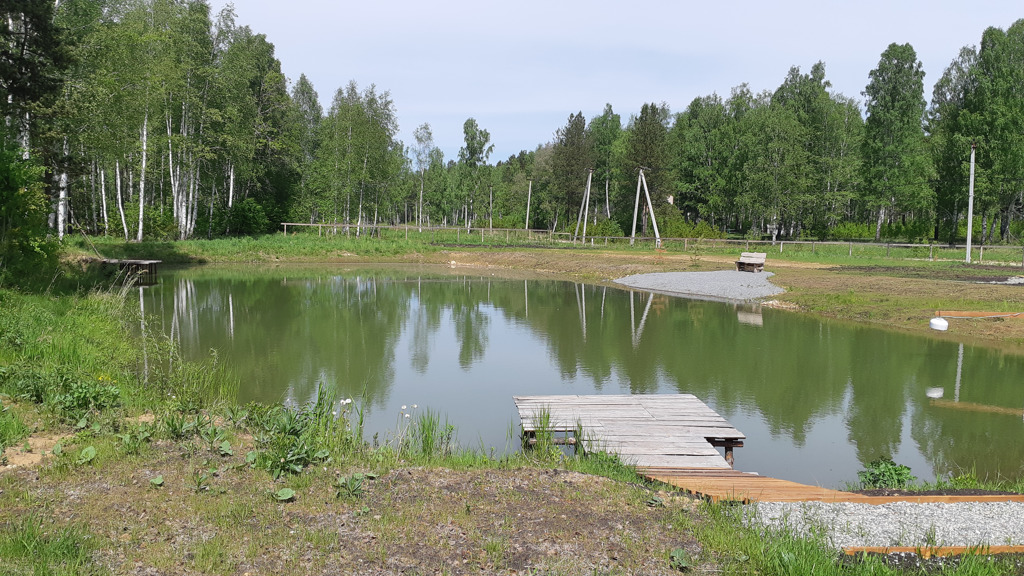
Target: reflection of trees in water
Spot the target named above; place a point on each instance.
(977, 429)
(343, 330)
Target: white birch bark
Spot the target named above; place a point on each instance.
(231, 185)
(120, 200)
(103, 200)
(142, 174)
(62, 194)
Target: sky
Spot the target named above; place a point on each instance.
(521, 68)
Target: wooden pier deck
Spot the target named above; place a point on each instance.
(142, 271)
(672, 438)
(674, 431)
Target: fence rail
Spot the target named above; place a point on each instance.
(485, 236)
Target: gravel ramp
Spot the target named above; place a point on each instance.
(845, 525)
(725, 285)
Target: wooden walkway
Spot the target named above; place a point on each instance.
(672, 438)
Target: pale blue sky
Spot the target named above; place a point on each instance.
(521, 67)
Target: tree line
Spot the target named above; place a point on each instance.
(158, 119)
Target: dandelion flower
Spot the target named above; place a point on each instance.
(406, 415)
(403, 406)
(414, 406)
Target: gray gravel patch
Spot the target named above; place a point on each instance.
(844, 525)
(719, 285)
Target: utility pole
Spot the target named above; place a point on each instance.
(970, 206)
(529, 195)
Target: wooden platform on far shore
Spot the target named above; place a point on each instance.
(142, 271)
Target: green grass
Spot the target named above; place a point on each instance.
(307, 246)
(28, 546)
(12, 429)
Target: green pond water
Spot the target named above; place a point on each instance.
(816, 399)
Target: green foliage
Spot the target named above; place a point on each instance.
(429, 438)
(351, 486)
(201, 479)
(25, 254)
(248, 218)
(284, 495)
(679, 559)
(604, 227)
(884, 473)
(86, 456)
(290, 439)
(81, 398)
(12, 429)
(133, 439)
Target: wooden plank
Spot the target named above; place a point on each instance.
(930, 551)
(639, 460)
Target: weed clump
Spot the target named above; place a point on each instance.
(290, 439)
(883, 473)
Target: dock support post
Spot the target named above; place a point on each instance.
(729, 457)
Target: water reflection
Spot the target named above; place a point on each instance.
(816, 399)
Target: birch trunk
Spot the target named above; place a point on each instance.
(62, 195)
(142, 174)
(120, 200)
(103, 200)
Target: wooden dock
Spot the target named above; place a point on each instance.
(675, 431)
(142, 271)
(672, 438)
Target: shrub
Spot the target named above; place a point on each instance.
(249, 218)
(884, 473)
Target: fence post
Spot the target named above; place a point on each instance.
(886, 249)
(930, 256)
(981, 254)
(781, 244)
(851, 249)
(812, 247)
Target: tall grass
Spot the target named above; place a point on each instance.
(12, 429)
(29, 547)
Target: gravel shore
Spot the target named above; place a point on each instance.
(845, 525)
(727, 285)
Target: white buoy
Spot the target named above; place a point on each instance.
(939, 324)
(934, 392)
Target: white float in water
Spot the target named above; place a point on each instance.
(934, 392)
(939, 324)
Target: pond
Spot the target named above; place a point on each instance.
(816, 399)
